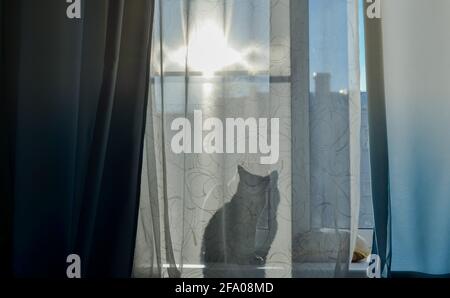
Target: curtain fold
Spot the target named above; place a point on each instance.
(296, 61)
(9, 49)
(78, 88)
(379, 159)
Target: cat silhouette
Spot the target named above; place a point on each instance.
(238, 237)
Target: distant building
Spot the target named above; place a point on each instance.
(330, 159)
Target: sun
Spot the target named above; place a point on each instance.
(207, 51)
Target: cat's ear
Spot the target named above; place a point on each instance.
(274, 176)
(241, 170)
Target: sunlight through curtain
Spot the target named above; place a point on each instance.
(225, 213)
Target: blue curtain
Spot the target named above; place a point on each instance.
(73, 102)
(409, 101)
(379, 160)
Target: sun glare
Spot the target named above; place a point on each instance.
(208, 51)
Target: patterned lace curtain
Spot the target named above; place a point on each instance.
(223, 214)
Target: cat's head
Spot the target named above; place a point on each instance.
(254, 184)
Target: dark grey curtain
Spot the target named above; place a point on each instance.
(73, 102)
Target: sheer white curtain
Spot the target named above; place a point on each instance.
(263, 59)
(326, 156)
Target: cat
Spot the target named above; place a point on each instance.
(238, 237)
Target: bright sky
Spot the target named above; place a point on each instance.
(328, 42)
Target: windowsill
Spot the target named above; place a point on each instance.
(358, 270)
